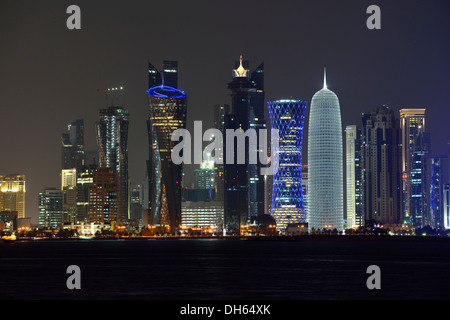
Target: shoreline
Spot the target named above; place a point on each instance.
(294, 238)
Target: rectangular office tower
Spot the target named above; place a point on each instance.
(12, 194)
(354, 194)
(437, 177)
(51, 208)
(243, 183)
(104, 196)
(220, 113)
(112, 143)
(381, 154)
(167, 112)
(72, 149)
(412, 124)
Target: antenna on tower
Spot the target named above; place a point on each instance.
(325, 78)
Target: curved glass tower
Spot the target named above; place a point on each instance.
(325, 162)
(287, 192)
(167, 113)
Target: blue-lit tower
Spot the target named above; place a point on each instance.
(325, 162)
(287, 192)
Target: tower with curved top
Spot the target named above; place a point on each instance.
(325, 162)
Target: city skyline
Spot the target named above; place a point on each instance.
(354, 72)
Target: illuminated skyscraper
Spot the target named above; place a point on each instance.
(354, 216)
(418, 179)
(112, 143)
(167, 112)
(220, 112)
(72, 149)
(325, 162)
(68, 185)
(437, 177)
(168, 74)
(287, 192)
(382, 167)
(51, 209)
(243, 183)
(411, 122)
(12, 194)
(103, 196)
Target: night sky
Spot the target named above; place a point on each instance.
(49, 74)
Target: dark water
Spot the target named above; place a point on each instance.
(210, 269)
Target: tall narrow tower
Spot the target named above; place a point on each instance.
(325, 162)
(167, 113)
(112, 142)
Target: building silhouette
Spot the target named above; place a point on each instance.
(382, 176)
(243, 183)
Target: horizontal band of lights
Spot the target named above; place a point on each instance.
(163, 91)
(287, 191)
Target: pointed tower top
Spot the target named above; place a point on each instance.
(325, 78)
(241, 71)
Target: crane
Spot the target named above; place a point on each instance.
(110, 90)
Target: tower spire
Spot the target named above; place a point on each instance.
(325, 78)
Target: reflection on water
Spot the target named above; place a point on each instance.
(224, 269)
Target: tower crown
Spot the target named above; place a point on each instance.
(240, 71)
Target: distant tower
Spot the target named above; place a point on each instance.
(287, 192)
(112, 143)
(325, 162)
(382, 167)
(103, 196)
(51, 209)
(12, 193)
(220, 112)
(354, 216)
(412, 121)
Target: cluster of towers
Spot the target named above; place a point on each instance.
(386, 176)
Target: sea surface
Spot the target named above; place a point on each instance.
(210, 269)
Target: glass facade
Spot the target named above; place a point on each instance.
(112, 143)
(325, 163)
(51, 209)
(412, 121)
(167, 113)
(287, 116)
